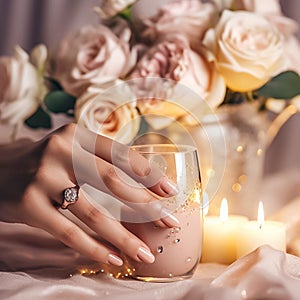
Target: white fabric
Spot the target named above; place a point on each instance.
(35, 266)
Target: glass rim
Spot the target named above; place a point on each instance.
(163, 148)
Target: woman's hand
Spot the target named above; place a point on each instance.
(35, 174)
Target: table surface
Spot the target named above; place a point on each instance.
(35, 266)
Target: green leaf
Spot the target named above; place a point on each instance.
(286, 85)
(126, 13)
(60, 102)
(40, 119)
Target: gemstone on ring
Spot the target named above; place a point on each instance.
(70, 196)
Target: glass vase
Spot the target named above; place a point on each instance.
(233, 168)
(231, 142)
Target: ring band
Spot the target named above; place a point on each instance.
(70, 196)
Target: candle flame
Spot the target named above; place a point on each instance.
(224, 210)
(260, 215)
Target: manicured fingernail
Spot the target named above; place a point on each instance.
(145, 255)
(168, 218)
(114, 260)
(170, 187)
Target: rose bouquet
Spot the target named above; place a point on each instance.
(226, 52)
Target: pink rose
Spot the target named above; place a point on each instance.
(93, 55)
(191, 18)
(173, 59)
(19, 88)
(109, 110)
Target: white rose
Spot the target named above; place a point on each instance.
(109, 110)
(94, 55)
(110, 8)
(39, 56)
(248, 49)
(19, 88)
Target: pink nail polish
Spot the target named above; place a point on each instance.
(170, 187)
(114, 260)
(145, 255)
(168, 218)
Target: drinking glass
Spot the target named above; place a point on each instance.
(177, 250)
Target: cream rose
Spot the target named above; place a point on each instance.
(248, 49)
(291, 52)
(288, 27)
(93, 55)
(174, 60)
(19, 88)
(109, 110)
(271, 10)
(191, 18)
(110, 8)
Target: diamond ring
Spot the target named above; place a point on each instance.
(70, 196)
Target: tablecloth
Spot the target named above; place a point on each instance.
(35, 266)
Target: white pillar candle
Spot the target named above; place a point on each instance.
(254, 234)
(219, 236)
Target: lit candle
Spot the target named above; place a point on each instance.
(253, 234)
(219, 236)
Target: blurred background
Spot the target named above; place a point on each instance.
(30, 22)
